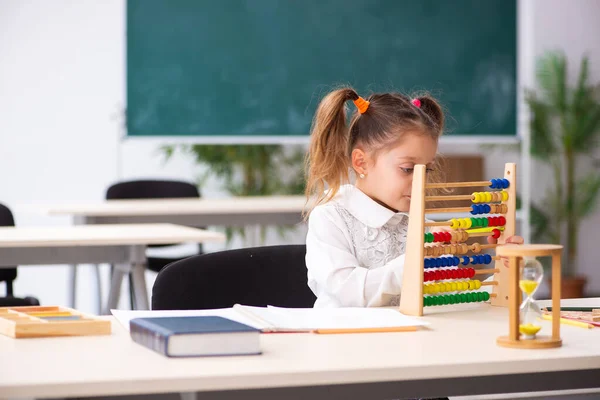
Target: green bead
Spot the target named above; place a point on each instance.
(426, 301)
(463, 298)
(480, 296)
(469, 297)
(433, 301)
(486, 296)
(485, 222)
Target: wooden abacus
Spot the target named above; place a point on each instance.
(49, 321)
(502, 200)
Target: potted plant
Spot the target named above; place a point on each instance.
(565, 130)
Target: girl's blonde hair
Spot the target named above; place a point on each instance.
(387, 118)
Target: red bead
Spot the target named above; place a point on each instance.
(454, 274)
(471, 272)
(492, 221)
(496, 233)
(501, 221)
(461, 273)
(436, 236)
(438, 275)
(445, 274)
(448, 236)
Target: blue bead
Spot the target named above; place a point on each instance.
(426, 263)
(474, 209)
(446, 261)
(486, 209)
(505, 183)
(474, 260)
(480, 259)
(488, 258)
(438, 262)
(465, 260)
(480, 208)
(493, 185)
(456, 261)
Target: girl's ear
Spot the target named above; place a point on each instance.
(359, 161)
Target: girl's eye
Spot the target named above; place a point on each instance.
(410, 170)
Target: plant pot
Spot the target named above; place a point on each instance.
(570, 288)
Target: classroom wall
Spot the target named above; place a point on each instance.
(61, 97)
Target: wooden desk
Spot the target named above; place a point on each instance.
(234, 211)
(457, 355)
(121, 245)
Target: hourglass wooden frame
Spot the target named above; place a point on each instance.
(515, 255)
(412, 300)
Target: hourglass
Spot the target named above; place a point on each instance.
(525, 274)
(530, 312)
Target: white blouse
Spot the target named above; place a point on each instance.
(355, 251)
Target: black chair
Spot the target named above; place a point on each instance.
(8, 275)
(154, 189)
(258, 276)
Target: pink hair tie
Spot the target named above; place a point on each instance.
(416, 103)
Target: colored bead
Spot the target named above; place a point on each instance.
(455, 261)
(502, 220)
(504, 195)
(474, 209)
(493, 184)
(505, 183)
(454, 223)
(496, 233)
(465, 260)
(486, 296)
(475, 197)
(488, 197)
(487, 258)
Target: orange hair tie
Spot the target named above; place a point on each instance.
(361, 104)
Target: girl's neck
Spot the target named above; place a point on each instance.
(374, 198)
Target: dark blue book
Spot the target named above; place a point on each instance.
(195, 336)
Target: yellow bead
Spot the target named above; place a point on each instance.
(436, 288)
(477, 284)
(464, 285)
(453, 286)
(475, 197)
(488, 197)
(447, 287)
(454, 223)
(471, 285)
(468, 224)
(504, 195)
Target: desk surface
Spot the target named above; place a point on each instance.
(232, 205)
(461, 342)
(103, 235)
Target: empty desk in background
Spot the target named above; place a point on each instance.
(121, 245)
(456, 355)
(232, 211)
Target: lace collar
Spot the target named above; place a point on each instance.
(367, 210)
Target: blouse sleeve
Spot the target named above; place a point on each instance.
(335, 272)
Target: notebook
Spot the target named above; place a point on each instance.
(192, 336)
(276, 319)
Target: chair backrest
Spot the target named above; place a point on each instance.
(151, 189)
(7, 274)
(258, 276)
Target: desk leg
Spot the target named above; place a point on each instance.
(73, 286)
(98, 287)
(140, 291)
(114, 293)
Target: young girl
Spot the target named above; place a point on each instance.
(357, 233)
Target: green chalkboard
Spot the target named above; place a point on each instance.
(259, 67)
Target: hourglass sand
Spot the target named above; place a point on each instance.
(524, 322)
(529, 312)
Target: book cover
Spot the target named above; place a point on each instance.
(195, 336)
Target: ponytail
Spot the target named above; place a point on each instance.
(327, 159)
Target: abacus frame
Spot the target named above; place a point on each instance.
(411, 300)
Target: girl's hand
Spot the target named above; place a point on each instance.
(509, 240)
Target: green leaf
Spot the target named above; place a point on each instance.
(587, 191)
(552, 77)
(542, 142)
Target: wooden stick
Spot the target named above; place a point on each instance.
(490, 283)
(438, 223)
(487, 271)
(447, 210)
(450, 197)
(457, 184)
(493, 295)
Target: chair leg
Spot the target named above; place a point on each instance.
(140, 290)
(73, 286)
(9, 288)
(115, 289)
(131, 292)
(98, 287)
